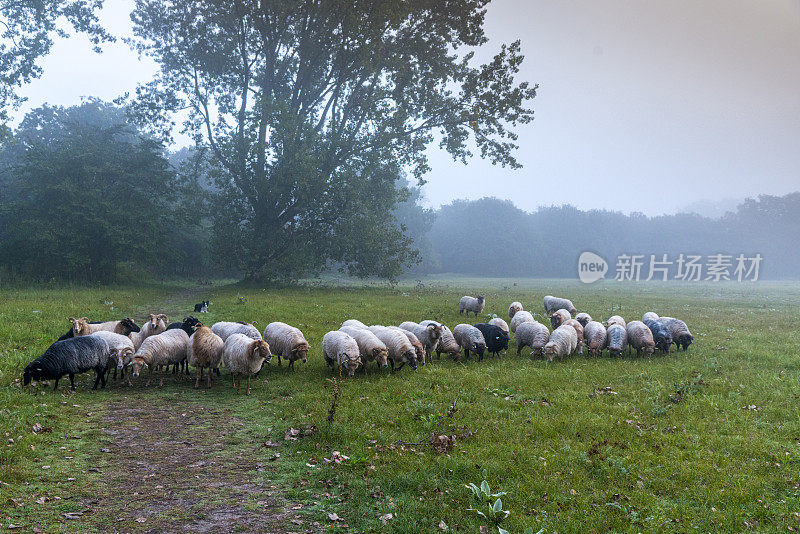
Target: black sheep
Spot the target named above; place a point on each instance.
(661, 334)
(496, 338)
(70, 357)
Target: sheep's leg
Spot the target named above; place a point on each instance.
(103, 382)
(199, 376)
(149, 376)
(279, 360)
(248, 384)
(72, 381)
(55, 386)
(239, 385)
(391, 361)
(161, 377)
(291, 365)
(217, 371)
(401, 365)
(208, 381)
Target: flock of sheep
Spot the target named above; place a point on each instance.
(118, 345)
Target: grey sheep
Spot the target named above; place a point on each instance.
(428, 334)
(519, 318)
(681, 335)
(370, 347)
(226, 328)
(469, 339)
(650, 316)
(532, 334)
(448, 344)
(640, 338)
(583, 318)
(497, 321)
(563, 342)
(615, 319)
(616, 339)
(594, 337)
(514, 308)
(553, 304)
(661, 334)
(471, 304)
(71, 356)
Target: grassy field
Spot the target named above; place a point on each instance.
(706, 440)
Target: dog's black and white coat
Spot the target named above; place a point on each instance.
(202, 307)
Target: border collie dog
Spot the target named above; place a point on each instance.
(202, 307)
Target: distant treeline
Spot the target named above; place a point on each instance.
(86, 196)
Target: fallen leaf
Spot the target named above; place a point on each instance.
(41, 500)
(334, 517)
(443, 526)
(291, 434)
(385, 518)
(140, 519)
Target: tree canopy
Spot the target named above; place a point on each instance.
(314, 109)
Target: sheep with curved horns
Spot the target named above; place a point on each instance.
(519, 318)
(594, 337)
(532, 334)
(553, 304)
(400, 348)
(559, 317)
(369, 346)
(155, 324)
(563, 341)
(204, 351)
(70, 357)
(514, 308)
(82, 327)
(471, 304)
(244, 356)
(428, 334)
(469, 339)
(286, 342)
(226, 328)
(161, 350)
(340, 348)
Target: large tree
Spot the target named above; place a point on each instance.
(315, 108)
(27, 29)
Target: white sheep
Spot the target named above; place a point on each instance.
(419, 348)
(225, 328)
(204, 350)
(244, 356)
(428, 334)
(400, 348)
(532, 334)
(155, 324)
(471, 304)
(497, 321)
(514, 308)
(354, 323)
(369, 346)
(650, 316)
(563, 342)
(559, 317)
(583, 318)
(340, 348)
(594, 337)
(470, 338)
(519, 318)
(121, 347)
(552, 304)
(640, 338)
(286, 342)
(163, 349)
(615, 319)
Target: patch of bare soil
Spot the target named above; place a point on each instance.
(173, 465)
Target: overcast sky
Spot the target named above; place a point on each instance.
(643, 105)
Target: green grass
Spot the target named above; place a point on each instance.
(706, 440)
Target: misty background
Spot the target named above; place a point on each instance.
(654, 125)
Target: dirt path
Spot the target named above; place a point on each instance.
(172, 464)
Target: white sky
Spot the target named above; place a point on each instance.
(643, 105)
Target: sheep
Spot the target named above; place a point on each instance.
(204, 350)
(419, 348)
(82, 327)
(340, 348)
(519, 318)
(661, 334)
(225, 328)
(400, 348)
(166, 348)
(650, 316)
(558, 318)
(640, 338)
(616, 339)
(594, 337)
(578, 331)
(471, 304)
(287, 342)
(615, 319)
(583, 318)
(428, 334)
(121, 350)
(244, 356)
(155, 324)
(354, 323)
(552, 304)
(514, 308)
(496, 338)
(448, 344)
(188, 325)
(681, 335)
(562, 342)
(532, 334)
(70, 357)
(470, 339)
(497, 321)
(369, 346)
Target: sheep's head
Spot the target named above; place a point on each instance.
(80, 327)
(127, 326)
(33, 371)
(572, 311)
(434, 331)
(124, 357)
(139, 363)
(261, 349)
(479, 348)
(555, 320)
(300, 352)
(481, 299)
(411, 358)
(686, 339)
(380, 355)
(351, 362)
(550, 351)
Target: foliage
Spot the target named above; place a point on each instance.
(28, 29)
(312, 109)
